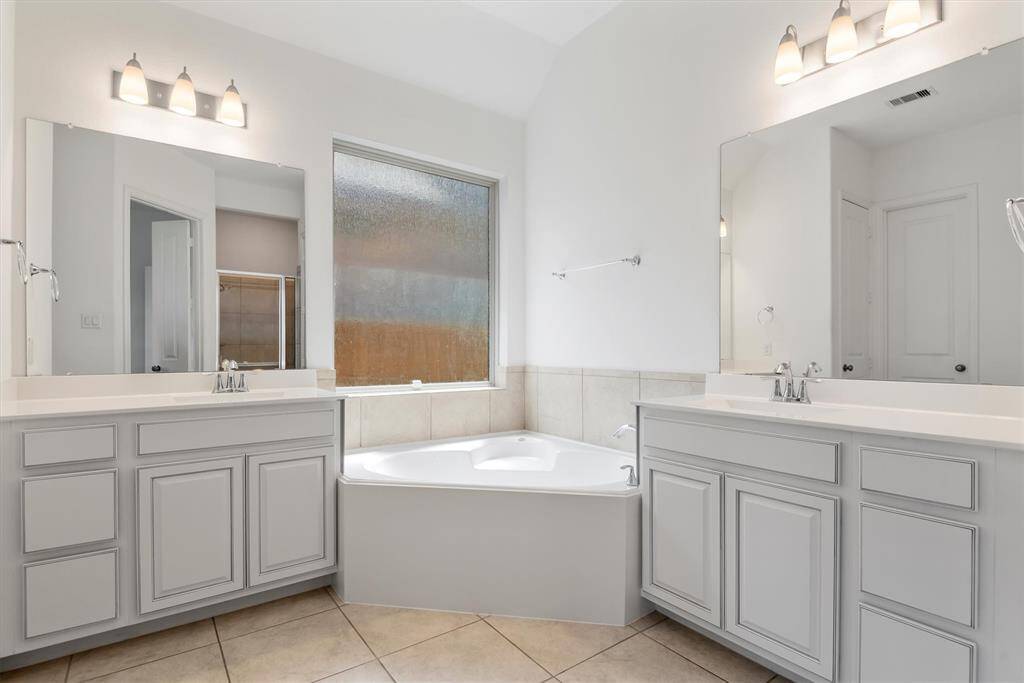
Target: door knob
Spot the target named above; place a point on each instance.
(156, 368)
(847, 367)
(960, 367)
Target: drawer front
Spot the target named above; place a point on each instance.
(896, 649)
(219, 432)
(68, 444)
(798, 456)
(927, 477)
(69, 509)
(923, 562)
(70, 592)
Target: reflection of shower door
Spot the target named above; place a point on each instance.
(257, 319)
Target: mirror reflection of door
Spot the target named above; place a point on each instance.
(161, 269)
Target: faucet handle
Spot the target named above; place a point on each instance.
(782, 367)
(632, 479)
(812, 369)
(241, 383)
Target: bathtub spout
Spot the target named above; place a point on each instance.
(617, 434)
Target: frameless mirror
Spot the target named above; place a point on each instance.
(167, 259)
(872, 236)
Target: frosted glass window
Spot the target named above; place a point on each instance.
(412, 274)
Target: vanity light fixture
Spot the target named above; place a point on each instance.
(902, 17)
(847, 39)
(841, 43)
(133, 86)
(183, 97)
(789, 62)
(723, 229)
(232, 113)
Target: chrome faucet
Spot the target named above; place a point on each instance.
(631, 478)
(789, 393)
(228, 382)
(617, 434)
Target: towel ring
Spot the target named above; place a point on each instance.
(769, 315)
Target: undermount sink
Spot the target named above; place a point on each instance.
(227, 398)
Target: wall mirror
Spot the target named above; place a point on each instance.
(166, 259)
(872, 236)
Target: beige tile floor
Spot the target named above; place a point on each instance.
(314, 636)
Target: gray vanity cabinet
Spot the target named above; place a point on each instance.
(191, 534)
(682, 557)
(289, 513)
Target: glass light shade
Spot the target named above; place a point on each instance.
(789, 62)
(841, 43)
(133, 83)
(902, 17)
(232, 112)
(183, 96)
(723, 229)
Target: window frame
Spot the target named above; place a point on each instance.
(412, 162)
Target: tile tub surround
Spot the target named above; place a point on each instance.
(313, 636)
(589, 404)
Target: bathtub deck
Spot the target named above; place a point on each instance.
(311, 637)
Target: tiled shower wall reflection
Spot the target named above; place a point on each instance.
(250, 320)
(575, 403)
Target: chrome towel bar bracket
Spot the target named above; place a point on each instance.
(632, 260)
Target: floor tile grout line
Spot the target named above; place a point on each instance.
(135, 666)
(402, 649)
(367, 645)
(596, 654)
(542, 667)
(223, 659)
(67, 671)
(266, 628)
(684, 657)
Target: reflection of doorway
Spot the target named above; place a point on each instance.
(930, 254)
(161, 272)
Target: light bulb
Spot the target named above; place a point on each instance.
(133, 83)
(183, 96)
(841, 43)
(789, 62)
(723, 229)
(902, 17)
(232, 112)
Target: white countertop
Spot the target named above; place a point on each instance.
(973, 429)
(67, 407)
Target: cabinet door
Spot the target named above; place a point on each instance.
(291, 514)
(780, 568)
(191, 533)
(683, 537)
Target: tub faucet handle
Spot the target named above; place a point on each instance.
(631, 480)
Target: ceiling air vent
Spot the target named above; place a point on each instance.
(911, 97)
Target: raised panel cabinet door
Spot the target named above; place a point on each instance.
(291, 513)
(682, 526)
(780, 569)
(191, 533)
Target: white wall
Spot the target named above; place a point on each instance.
(987, 156)
(259, 244)
(8, 269)
(622, 155)
(238, 195)
(298, 101)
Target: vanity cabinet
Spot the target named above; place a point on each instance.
(191, 534)
(831, 554)
(112, 520)
(682, 557)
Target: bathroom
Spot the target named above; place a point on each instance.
(467, 340)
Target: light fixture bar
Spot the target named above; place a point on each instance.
(207, 105)
(869, 33)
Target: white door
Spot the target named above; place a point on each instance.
(932, 301)
(682, 527)
(291, 514)
(780, 571)
(854, 292)
(191, 532)
(169, 319)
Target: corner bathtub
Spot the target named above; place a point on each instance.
(519, 524)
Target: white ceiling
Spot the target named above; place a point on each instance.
(493, 54)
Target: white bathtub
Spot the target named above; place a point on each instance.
(519, 523)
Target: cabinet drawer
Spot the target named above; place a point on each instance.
(786, 454)
(923, 476)
(69, 509)
(68, 444)
(69, 592)
(896, 649)
(218, 432)
(923, 562)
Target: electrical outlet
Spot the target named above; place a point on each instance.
(766, 349)
(92, 321)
